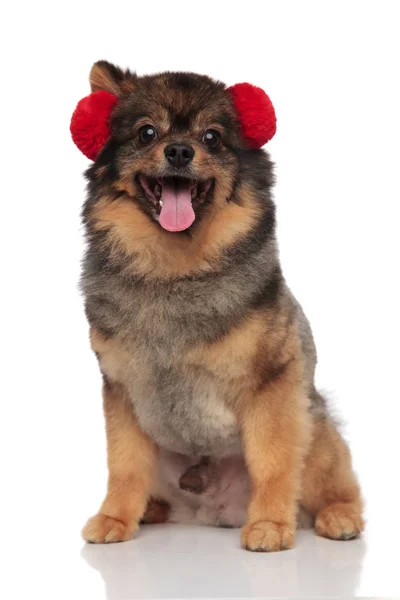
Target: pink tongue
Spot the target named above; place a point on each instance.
(177, 212)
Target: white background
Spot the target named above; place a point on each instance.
(332, 71)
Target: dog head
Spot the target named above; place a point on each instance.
(170, 140)
(171, 151)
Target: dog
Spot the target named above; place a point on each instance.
(207, 359)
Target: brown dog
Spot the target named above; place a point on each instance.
(208, 360)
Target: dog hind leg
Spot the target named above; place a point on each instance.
(330, 491)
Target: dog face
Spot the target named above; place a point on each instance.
(173, 144)
(174, 167)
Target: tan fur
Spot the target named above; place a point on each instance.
(231, 356)
(112, 356)
(329, 487)
(251, 389)
(131, 458)
(279, 435)
(101, 79)
(162, 256)
(253, 351)
(275, 429)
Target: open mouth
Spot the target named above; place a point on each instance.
(175, 199)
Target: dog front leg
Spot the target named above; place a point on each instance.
(131, 458)
(275, 432)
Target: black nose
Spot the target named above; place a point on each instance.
(179, 155)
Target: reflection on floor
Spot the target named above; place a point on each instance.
(171, 561)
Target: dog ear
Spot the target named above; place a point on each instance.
(107, 77)
(255, 112)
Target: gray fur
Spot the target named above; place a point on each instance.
(181, 405)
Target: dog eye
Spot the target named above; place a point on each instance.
(147, 134)
(212, 138)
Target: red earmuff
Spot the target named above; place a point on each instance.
(255, 112)
(89, 124)
(90, 120)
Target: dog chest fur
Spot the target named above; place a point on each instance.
(180, 399)
(151, 331)
(185, 412)
(181, 406)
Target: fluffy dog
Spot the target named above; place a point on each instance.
(208, 361)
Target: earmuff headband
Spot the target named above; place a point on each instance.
(90, 120)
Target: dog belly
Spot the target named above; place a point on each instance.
(222, 503)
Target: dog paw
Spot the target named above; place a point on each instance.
(102, 529)
(267, 536)
(339, 522)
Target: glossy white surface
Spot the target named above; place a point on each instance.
(331, 69)
(179, 562)
(171, 561)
